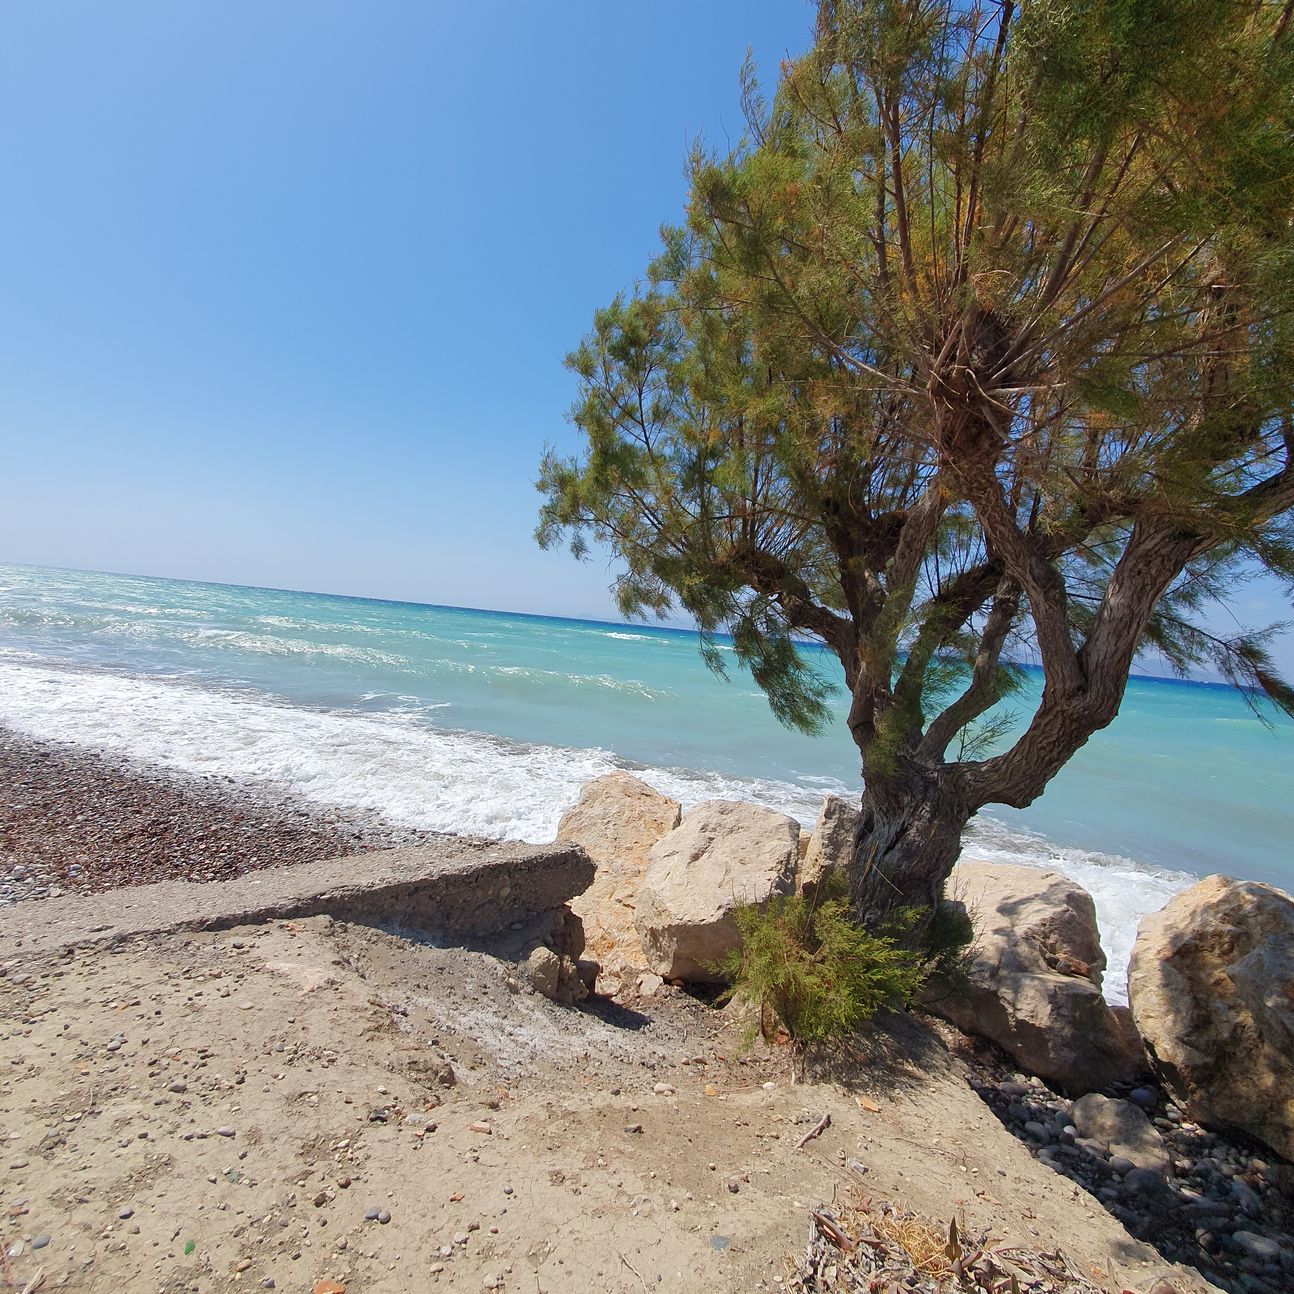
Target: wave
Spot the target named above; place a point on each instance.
(547, 678)
(396, 764)
(629, 638)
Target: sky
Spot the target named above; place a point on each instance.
(285, 288)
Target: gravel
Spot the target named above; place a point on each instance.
(1224, 1207)
(79, 821)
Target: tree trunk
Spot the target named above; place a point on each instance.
(907, 841)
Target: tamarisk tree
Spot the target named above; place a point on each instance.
(977, 350)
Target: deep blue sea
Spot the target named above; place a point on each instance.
(489, 723)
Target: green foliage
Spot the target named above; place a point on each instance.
(949, 935)
(978, 348)
(811, 967)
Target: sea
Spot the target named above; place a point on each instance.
(489, 723)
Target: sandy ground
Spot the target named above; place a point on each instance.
(219, 1112)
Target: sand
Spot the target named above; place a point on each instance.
(511, 1140)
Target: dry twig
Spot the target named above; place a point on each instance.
(816, 1131)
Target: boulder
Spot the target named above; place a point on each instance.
(617, 819)
(832, 844)
(723, 855)
(1211, 984)
(1123, 1128)
(1033, 978)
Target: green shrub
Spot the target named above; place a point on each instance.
(811, 967)
(948, 940)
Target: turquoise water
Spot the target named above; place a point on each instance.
(489, 722)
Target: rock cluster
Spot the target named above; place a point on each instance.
(1211, 983)
(661, 905)
(1198, 1198)
(617, 819)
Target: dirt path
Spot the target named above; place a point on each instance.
(220, 1112)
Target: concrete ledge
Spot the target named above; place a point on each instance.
(458, 887)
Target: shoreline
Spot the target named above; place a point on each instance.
(74, 820)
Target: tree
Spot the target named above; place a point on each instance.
(978, 349)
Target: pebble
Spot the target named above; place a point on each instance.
(734, 1185)
(39, 1242)
(384, 1216)
(633, 1127)
(1256, 1246)
(177, 1085)
(1215, 1207)
(225, 1131)
(124, 1214)
(482, 1127)
(370, 1215)
(664, 1089)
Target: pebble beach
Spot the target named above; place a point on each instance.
(75, 820)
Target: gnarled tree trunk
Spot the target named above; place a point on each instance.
(908, 838)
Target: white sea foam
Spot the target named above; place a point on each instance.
(628, 638)
(398, 766)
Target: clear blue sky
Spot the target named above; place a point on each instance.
(285, 287)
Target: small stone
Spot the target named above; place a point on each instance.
(225, 1131)
(1256, 1246)
(18, 1163)
(1142, 1096)
(436, 1268)
(460, 1237)
(39, 1242)
(664, 1089)
(384, 1216)
(370, 1215)
(243, 1265)
(482, 1127)
(124, 1214)
(177, 1085)
(734, 1185)
(633, 1127)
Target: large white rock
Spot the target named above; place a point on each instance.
(1033, 983)
(617, 819)
(831, 847)
(1211, 985)
(724, 855)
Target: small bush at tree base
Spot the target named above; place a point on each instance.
(809, 965)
